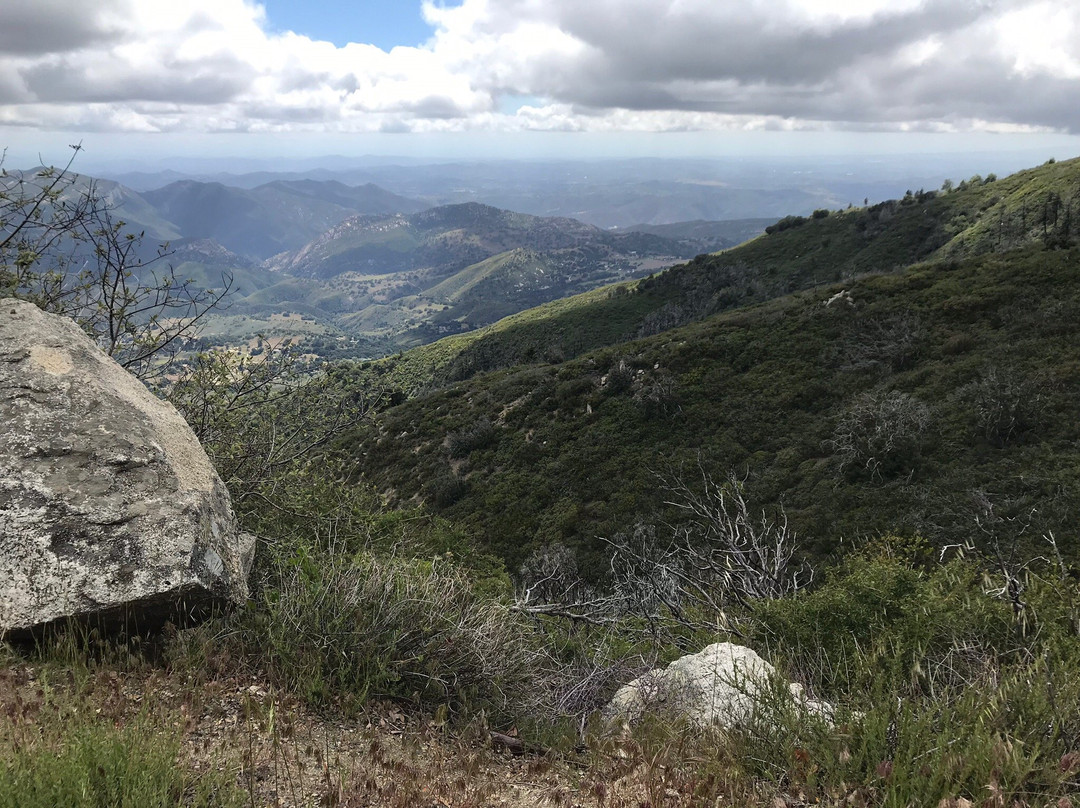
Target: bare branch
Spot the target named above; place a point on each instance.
(61, 248)
(258, 416)
(720, 556)
(880, 432)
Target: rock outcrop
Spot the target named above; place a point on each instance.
(110, 510)
(724, 686)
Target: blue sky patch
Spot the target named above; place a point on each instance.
(373, 22)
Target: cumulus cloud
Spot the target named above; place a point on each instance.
(948, 62)
(606, 65)
(55, 26)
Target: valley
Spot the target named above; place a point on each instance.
(367, 272)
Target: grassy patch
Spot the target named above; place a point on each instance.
(63, 742)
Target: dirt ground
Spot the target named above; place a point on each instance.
(284, 755)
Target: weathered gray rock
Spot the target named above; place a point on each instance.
(109, 508)
(724, 686)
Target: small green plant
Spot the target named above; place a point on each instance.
(54, 751)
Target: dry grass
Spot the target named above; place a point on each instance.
(279, 753)
(270, 750)
(276, 751)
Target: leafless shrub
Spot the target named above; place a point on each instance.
(257, 417)
(670, 315)
(643, 578)
(550, 574)
(619, 378)
(587, 684)
(62, 249)
(479, 435)
(1001, 543)
(721, 555)
(1004, 402)
(890, 343)
(656, 393)
(551, 585)
(880, 432)
(690, 573)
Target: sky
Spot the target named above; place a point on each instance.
(141, 79)
(384, 24)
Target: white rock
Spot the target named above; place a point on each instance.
(723, 686)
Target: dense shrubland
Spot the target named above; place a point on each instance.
(855, 435)
(952, 669)
(875, 494)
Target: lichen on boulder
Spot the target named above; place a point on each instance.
(110, 510)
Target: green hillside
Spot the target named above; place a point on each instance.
(464, 284)
(978, 216)
(975, 365)
(887, 410)
(521, 279)
(407, 280)
(438, 242)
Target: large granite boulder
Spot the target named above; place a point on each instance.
(724, 686)
(110, 510)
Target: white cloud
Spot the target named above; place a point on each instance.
(605, 65)
(1044, 38)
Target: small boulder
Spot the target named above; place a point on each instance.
(110, 510)
(724, 686)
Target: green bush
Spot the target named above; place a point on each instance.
(333, 625)
(479, 435)
(445, 489)
(881, 623)
(787, 223)
(944, 690)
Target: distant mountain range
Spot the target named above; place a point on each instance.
(453, 268)
(271, 218)
(618, 192)
(255, 223)
(363, 262)
(599, 196)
